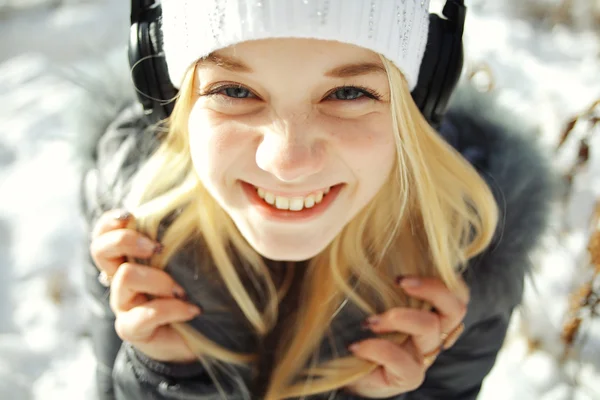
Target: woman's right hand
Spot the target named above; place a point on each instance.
(145, 300)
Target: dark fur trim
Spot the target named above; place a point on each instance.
(506, 153)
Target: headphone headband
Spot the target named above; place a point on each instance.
(439, 73)
(139, 8)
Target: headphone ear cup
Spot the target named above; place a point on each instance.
(149, 70)
(166, 92)
(139, 77)
(449, 69)
(440, 70)
(422, 92)
(148, 62)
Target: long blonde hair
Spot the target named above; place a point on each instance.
(434, 213)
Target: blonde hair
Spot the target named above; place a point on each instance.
(434, 213)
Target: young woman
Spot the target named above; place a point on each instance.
(296, 227)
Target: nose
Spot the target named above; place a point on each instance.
(291, 152)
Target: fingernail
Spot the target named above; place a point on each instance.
(410, 282)
(195, 311)
(353, 347)
(146, 244)
(179, 293)
(370, 322)
(123, 215)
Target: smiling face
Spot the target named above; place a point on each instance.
(302, 124)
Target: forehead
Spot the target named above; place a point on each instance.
(332, 58)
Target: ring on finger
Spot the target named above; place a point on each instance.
(450, 338)
(429, 358)
(104, 279)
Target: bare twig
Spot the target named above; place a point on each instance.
(584, 300)
(590, 117)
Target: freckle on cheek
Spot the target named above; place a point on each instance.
(218, 144)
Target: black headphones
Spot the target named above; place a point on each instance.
(440, 70)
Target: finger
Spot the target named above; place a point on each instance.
(423, 326)
(132, 279)
(451, 308)
(109, 249)
(111, 220)
(433, 284)
(139, 323)
(166, 345)
(400, 368)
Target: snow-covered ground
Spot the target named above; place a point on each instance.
(545, 74)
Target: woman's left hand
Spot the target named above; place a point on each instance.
(402, 368)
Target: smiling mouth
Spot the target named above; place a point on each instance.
(278, 207)
(292, 203)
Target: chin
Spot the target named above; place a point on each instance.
(292, 253)
(287, 243)
(288, 250)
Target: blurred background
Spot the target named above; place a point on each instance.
(63, 67)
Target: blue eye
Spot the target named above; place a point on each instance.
(349, 93)
(236, 92)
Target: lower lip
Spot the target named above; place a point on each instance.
(272, 213)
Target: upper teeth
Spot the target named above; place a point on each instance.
(292, 203)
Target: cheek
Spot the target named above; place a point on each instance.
(214, 143)
(368, 146)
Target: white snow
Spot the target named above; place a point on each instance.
(547, 74)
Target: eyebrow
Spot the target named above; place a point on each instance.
(356, 69)
(344, 71)
(228, 63)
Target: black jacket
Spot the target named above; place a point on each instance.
(501, 148)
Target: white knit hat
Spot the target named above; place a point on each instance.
(395, 28)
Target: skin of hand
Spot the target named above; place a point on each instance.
(402, 368)
(145, 300)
